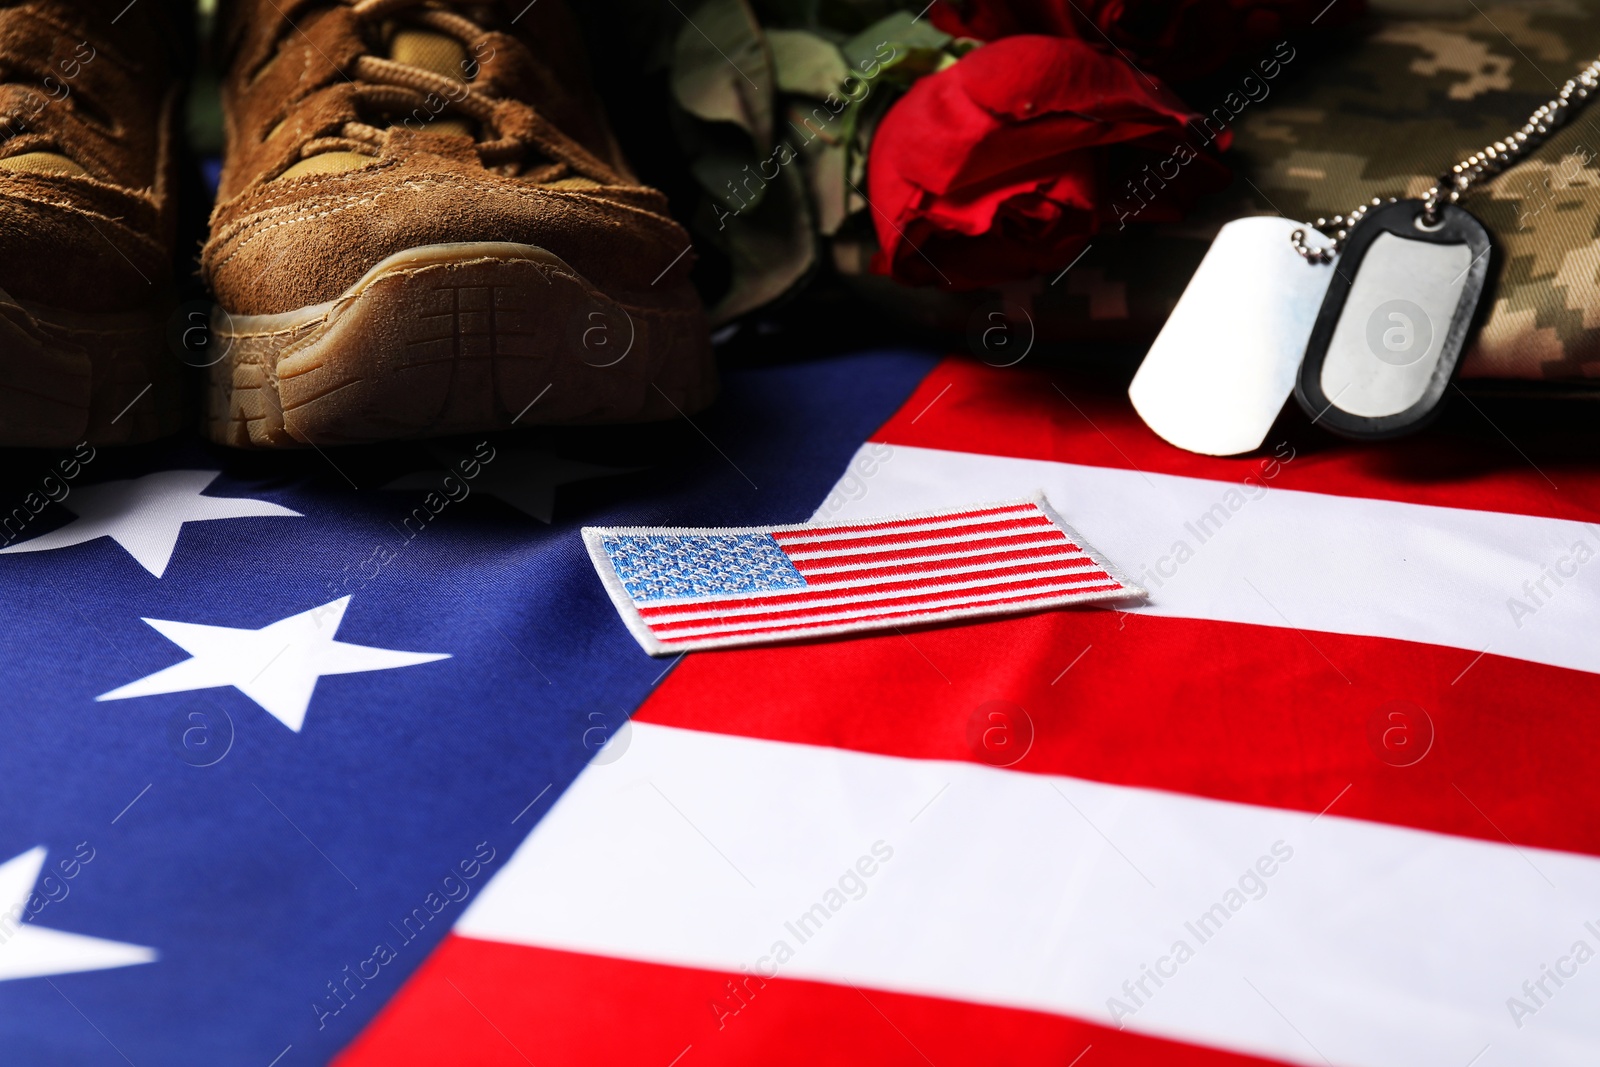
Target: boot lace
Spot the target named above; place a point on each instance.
(386, 89)
(29, 91)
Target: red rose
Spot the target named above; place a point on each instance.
(1174, 39)
(1004, 165)
(989, 20)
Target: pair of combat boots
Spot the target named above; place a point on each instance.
(424, 226)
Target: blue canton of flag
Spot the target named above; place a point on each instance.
(268, 735)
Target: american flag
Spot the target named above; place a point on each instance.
(706, 588)
(411, 794)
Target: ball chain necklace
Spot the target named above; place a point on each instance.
(1368, 344)
(1489, 160)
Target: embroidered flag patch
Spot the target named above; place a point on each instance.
(681, 589)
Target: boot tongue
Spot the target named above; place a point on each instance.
(435, 53)
(42, 163)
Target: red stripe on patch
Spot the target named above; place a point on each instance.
(866, 527)
(939, 603)
(877, 544)
(915, 589)
(1063, 548)
(911, 553)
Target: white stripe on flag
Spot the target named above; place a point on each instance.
(1370, 945)
(1282, 557)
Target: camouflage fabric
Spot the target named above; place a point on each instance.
(1414, 88)
(1430, 83)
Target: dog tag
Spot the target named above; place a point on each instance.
(1224, 364)
(1394, 321)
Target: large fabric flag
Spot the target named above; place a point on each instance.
(302, 773)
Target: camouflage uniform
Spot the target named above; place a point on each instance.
(1411, 90)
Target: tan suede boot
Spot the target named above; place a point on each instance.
(425, 227)
(87, 117)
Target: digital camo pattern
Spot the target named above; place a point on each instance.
(1379, 109)
(1430, 83)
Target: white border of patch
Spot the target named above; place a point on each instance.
(593, 536)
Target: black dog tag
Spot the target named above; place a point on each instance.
(1394, 321)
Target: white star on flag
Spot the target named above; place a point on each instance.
(28, 951)
(146, 515)
(276, 666)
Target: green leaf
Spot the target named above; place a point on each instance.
(826, 170)
(853, 16)
(807, 65)
(732, 178)
(903, 31)
(825, 146)
(722, 70)
(786, 12)
(771, 247)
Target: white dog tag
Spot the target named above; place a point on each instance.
(1226, 361)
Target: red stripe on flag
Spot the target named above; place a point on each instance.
(1254, 714)
(496, 1005)
(1462, 462)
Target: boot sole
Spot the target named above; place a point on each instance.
(68, 377)
(458, 338)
